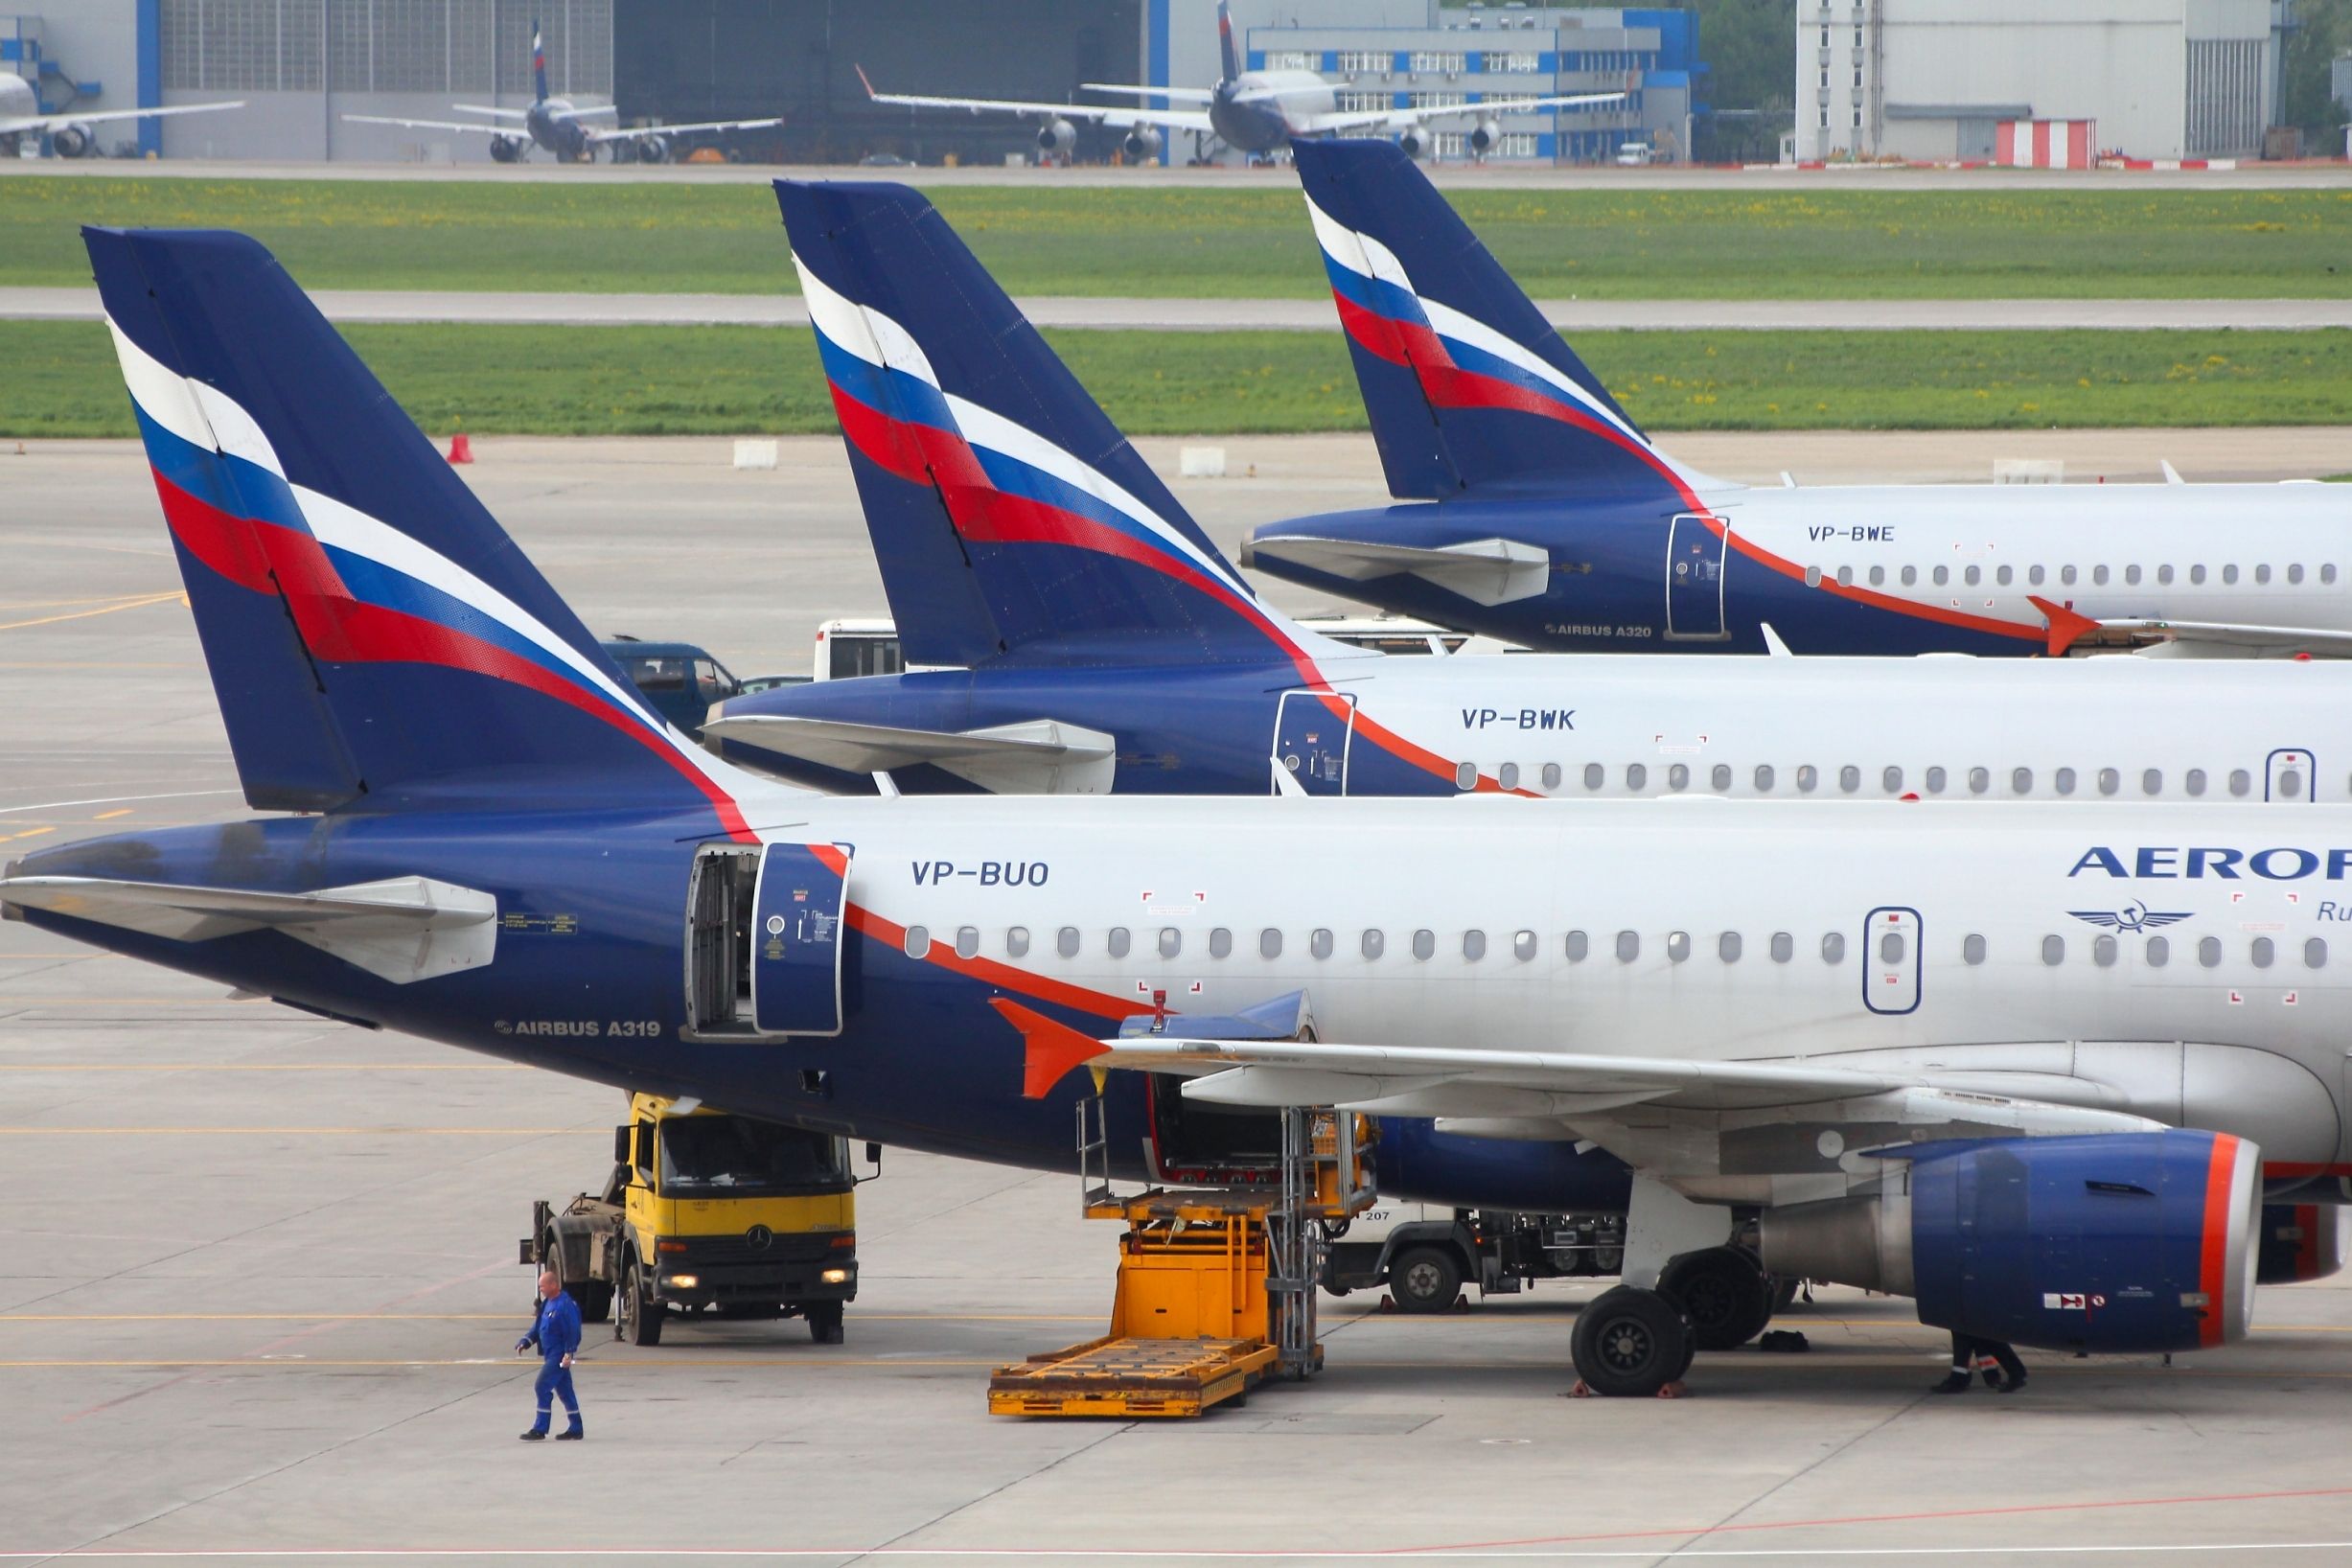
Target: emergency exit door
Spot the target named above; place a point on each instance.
(1311, 735)
(1891, 960)
(1694, 577)
(2290, 775)
(797, 940)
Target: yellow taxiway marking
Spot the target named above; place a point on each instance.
(140, 603)
(29, 833)
(106, 816)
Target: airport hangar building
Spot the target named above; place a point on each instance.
(300, 65)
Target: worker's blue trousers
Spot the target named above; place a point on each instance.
(555, 1381)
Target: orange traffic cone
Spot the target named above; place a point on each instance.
(461, 448)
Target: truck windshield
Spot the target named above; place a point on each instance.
(737, 1157)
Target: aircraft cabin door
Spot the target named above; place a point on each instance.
(2291, 776)
(1310, 739)
(797, 940)
(1891, 960)
(1695, 578)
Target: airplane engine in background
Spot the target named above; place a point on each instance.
(505, 150)
(2302, 1241)
(1056, 136)
(1418, 1162)
(1415, 141)
(653, 149)
(1485, 137)
(2107, 1242)
(1141, 143)
(74, 141)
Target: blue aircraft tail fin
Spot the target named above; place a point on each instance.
(539, 60)
(375, 639)
(1007, 512)
(1228, 53)
(1465, 381)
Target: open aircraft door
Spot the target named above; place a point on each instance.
(1695, 548)
(797, 940)
(1311, 732)
(2290, 775)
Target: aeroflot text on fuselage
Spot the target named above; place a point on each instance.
(2172, 864)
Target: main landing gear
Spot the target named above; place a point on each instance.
(1686, 1289)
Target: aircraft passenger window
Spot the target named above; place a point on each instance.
(2315, 953)
(919, 941)
(1833, 948)
(1523, 946)
(1508, 776)
(1017, 942)
(1473, 945)
(1980, 779)
(1845, 577)
(2262, 574)
(1594, 777)
(1806, 778)
(1678, 778)
(2098, 576)
(2053, 950)
(1878, 576)
(2229, 573)
(2064, 780)
(1466, 775)
(1066, 942)
(2109, 781)
(1172, 942)
(2020, 781)
(1890, 947)
(1269, 943)
(2327, 574)
(2209, 951)
(1727, 947)
(1972, 576)
(1319, 942)
(1551, 776)
(2294, 571)
(2165, 574)
(2264, 950)
(2160, 952)
(2131, 574)
(967, 941)
(1935, 781)
(1628, 946)
(1424, 944)
(2290, 784)
(1220, 942)
(2002, 576)
(1763, 778)
(1911, 575)
(1942, 575)
(1849, 778)
(1812, 577)
(2194, 782)
(1677, 946)
(2065, 574)
(1117, 945)
(2239, 781)
(1637, 777)
(1718, 778)
(2102, 951)
(2196, 574)
(2033, 575)
(1972, 949)
(1783, 947)
(1890, 780)
(2151, 781)
(1374, 945)
(1577, 947)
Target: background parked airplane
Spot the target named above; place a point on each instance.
(555, 125)
(1253, 111)
(72, 135)
(1553, 519)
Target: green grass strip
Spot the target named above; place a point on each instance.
(1980, 240)
(726, 380)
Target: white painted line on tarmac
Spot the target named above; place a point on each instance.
(110, 799)
(687, 1554)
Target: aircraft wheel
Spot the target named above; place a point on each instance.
(1630, 1344)
(1725, 1292)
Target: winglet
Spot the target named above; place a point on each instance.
(1051, 1050)
(862, 79)
(2066, 627)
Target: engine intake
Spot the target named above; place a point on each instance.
(73, 141)
(2103, 1242)
(1056, 136)
(1414, 143)
(1485, 136)
(1143, 142)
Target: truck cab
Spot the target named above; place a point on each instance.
(682, 681)
(706, 1210)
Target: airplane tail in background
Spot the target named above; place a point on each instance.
(376, 639)
(1008, 514)
(1227, 51)
(1465, 382)
(539, 60)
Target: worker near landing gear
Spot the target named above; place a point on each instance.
(1968, 1352)
(557, 1334)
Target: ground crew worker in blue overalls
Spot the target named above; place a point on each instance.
(557, 1334)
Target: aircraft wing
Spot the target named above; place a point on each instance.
(1378, 120)
(625, 135)
(2225, 640)
(434, 124)
(402, 929)
(1175, 95)
(498, 113)
(1116, 118)
(12, 125)
(1040, 757)
(1486, 571)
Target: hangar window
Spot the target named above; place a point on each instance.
(2196, 574)
(1677, 946)
(1116, 946)
(2034, 575)
(1878, 576)
(1577, 947)
(2315, 953)
(2053, 950)
(1473, 945)
(2109, 781)
(1637, 777)
(1763, 778)
(2295, 572)
(2327, 574)
(1269, 943)
(1911, 575)
(2229, 573)
(2098, 576)
(1972, 949)
(1551, 776)
(2165, 574)
(2020, 781)
(1727, 947)
(1807, 777)
(1720, 778)
(2194, 782)
(2131, 575)
(1679, 776)
(1890, 780)
(1066, 942)
(1508, 776)
(1628, 946)
(919, 941)
(1891, 947)
(1424, 944)
(1980, 779)
(2209, 951)
(1935, 781)
(967, 941)
(1017, 942)
(1466, 775)
(2264, 952)
(2239, 781)
(1523, 946)
(1220, 943)
(1942, 575)
(1972, 576)
(1171, 941)
(2160, 952)
(2103, 951)
(1594, 777)
(2064, 780)
(1783, 947)
(1833, 948)
(1374, 945)
(1319, 942)
(2151, 781)
(2003, 575)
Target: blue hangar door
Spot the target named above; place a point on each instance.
(797, 940)
(1695, 578)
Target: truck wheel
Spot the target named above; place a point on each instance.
(595, 1298)
(826, 1323)
(1425, 1279)
(639, 1319)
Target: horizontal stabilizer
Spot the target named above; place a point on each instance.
(402, 929)
(1042, 756)
(1486, 571)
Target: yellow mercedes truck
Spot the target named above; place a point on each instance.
(707, 1211)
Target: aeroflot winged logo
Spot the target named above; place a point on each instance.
(2134, 917)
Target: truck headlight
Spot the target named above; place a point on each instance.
(684, 1281)
(836, 1277)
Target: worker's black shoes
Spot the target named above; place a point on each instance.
(573, 1436)
(535, 1435)
(1956, 1383)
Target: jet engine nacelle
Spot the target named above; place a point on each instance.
(1418, 1161)
(1414, 143)
(1485, 137)
(653, 149)
(74, 141)
(1141, 142)
(2301, 1242)
(2114, 1242)
(1056, 136)
(505, 150)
